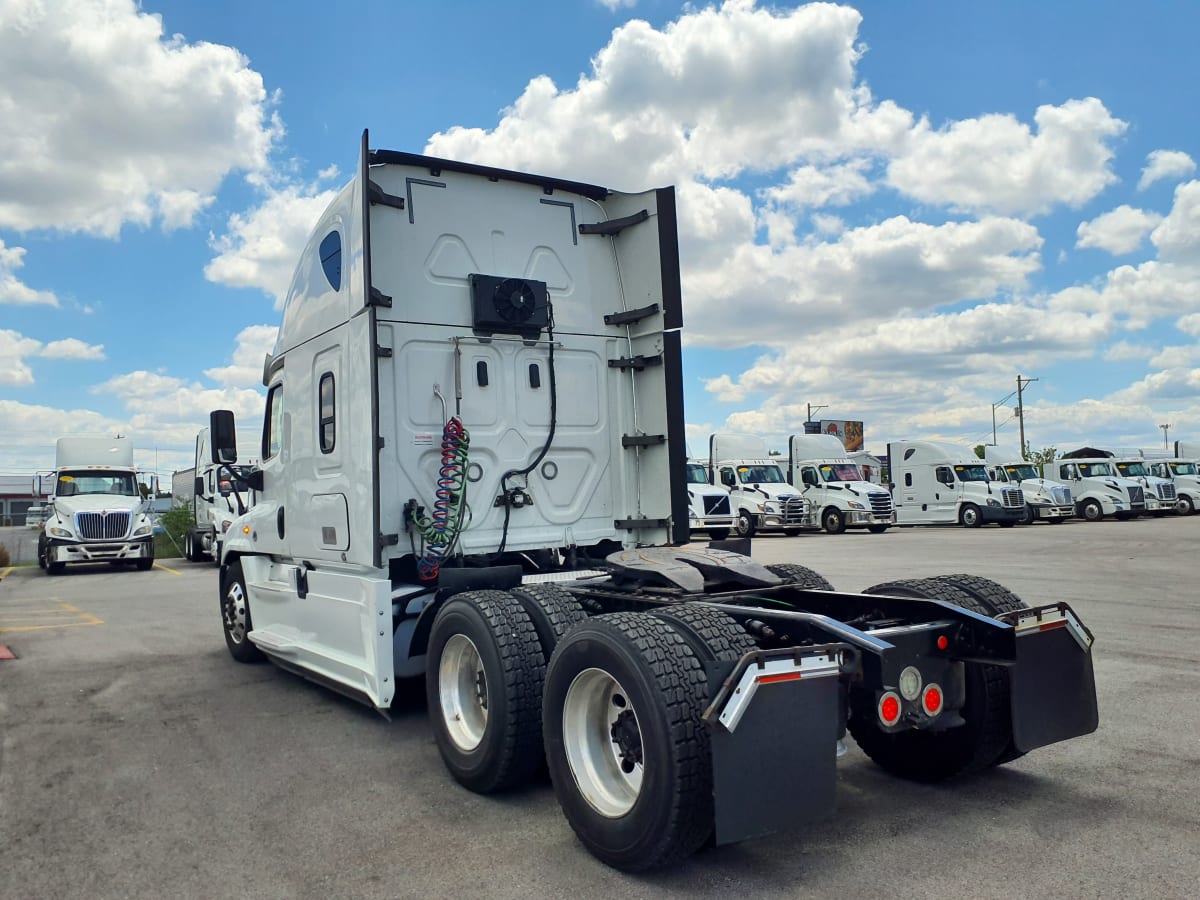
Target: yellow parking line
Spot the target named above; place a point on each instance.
(6, 572)
(6, 630)
(91, 620)
(46, 618)
(165, 569)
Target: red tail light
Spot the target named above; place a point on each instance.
(889, 708)
(931, 700)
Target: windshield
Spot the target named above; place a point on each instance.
(1094, 470)
(767, 474)
(1020, 473)
(1183, 468)
(696, 474)
(1131, 469)
(841, 472)
(96, 481)
(971, 473)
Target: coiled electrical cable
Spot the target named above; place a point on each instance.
(440, 531)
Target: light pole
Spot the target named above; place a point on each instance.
(811, 408)
(999, 402)
(1165, 429)
(1021, 384)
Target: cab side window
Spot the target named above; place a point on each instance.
(273, 432)
(727, 478)
(944, 475)
(808, 475)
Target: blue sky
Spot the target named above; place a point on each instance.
(890, 210)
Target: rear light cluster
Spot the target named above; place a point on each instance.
(891, 704)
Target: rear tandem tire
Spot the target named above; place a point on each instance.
(713, 634)
(644, 799)
(802, 576)
(552, 610)
(484, 672)
(936, 755)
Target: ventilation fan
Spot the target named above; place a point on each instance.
(509, 305)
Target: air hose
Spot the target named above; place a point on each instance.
(440, 531)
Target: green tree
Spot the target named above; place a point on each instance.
(979, 450)
(1040, 458)
(175, 523)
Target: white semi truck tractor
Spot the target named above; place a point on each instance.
(1097, 489)
(759, 491)
(834, 486)
(936, 483)
(1184, 474)
(1046, 500)
(214, 501)
(473, 469)
(96, 512)
(709, 509)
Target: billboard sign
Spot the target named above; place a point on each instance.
(849, 432)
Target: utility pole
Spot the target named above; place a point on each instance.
(1021, 384)
(811, 408)
(1165, 429)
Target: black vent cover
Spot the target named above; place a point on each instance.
(509, 305)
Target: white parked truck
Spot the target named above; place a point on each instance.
(1046, 500)
(212, 499)
(709, 508)
(426, 505)
(759, 491)
(1097, 489)
(943, 484)
(1185, 475)
(834, 485)
(1162, 496)
(96, 511)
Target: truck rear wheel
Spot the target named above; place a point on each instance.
(927, 755)
(628, 755)
(484, 672)
(235, 616)
(712, 634)
(552, 610)
(802, 576)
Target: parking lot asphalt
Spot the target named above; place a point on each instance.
(137, 759)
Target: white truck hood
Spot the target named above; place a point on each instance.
(66, 507)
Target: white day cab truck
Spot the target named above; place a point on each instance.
(709, 509)
(1097, 489)
(1184, 474)
(1046, 500)
(759, 492)
(834, 486)
(1162, 496)
(213, 500)
(943, 484)
(473, 469)
(95, 512)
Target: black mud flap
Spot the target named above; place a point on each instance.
(774, 727)
(1053, 686)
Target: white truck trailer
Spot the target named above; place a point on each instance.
(943, 484)
(834, 486)
(1046, 500)
(213, 499)
(709, 509)
(427, 506)
(759, 491)
(95, 512)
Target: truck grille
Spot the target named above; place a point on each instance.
(1061, 495)
(881, 504)
(1012, 498)
(95, 526)
(717, 506)
(1167, 492)
(794, 511)
(1137, 498)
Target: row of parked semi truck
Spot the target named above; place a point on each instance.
(819, 486)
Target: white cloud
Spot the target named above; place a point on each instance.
(14, 347)
(997, 163)
(816, 186)
(259, 248)
(1189, 324)
(614, 5)
(1123, 351)
(13, 290)
(73, 348)
(253, 343)
(1178, 237)
(1118, 231)
(1177, 357)
(160, 121)
(1162, 164)
(138, 386)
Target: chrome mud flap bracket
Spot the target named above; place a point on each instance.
(774, 728)
(1053, 686)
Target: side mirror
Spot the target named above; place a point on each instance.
(198, 487)
(223, 436)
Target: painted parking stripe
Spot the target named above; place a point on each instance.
(6, 572)
(165, 569)
(40, 618)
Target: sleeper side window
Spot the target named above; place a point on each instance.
(330, 252)
(326, 419)
(273, 432)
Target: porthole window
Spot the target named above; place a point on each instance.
(326, 430)
(331, 259)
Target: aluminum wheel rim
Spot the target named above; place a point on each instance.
(463, 692)
(234, 610)
(605, 776)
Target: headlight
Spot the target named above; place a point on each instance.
(854, 504)
(992, 501)
(225, 526)
(770, 506)
(142, 529)
(55, 531)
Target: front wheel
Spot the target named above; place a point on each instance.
(970, 517)
(1186, 507)
(235, 616)
(628, 754)
(484, 671)
(1008, 523)
(1091, 511)
(718, 534)
(877, 529)
(745, 524)
(1030, 515)
(833, 521)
